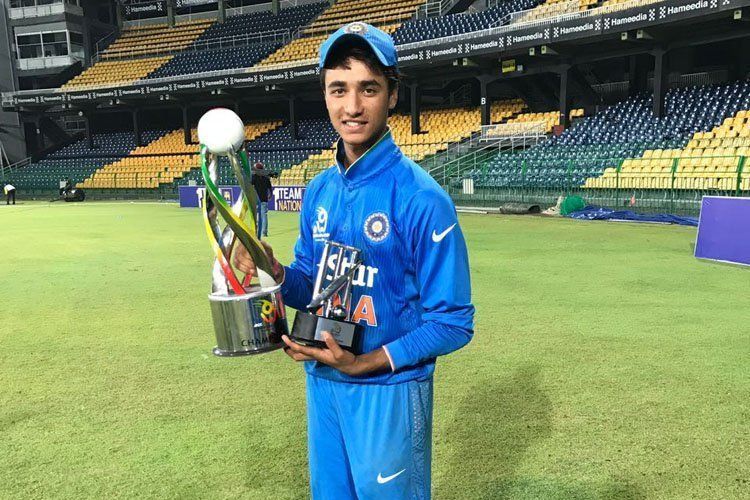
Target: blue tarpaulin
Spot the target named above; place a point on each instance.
(592, 212)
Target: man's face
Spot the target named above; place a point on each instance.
(358, 102)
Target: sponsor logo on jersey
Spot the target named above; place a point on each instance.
(364, 310)
(320, 226)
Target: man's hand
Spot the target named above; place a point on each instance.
(336, 357)
(244, 262)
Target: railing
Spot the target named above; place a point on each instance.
(610, 88)
(381, 20)
(459, 97)
(674, 185)
(234, 11)
(166, 79)
(433, 8)
(47, 62)
(3, 161)
(500, 22)
(7, 170)
(550, 10)
(102, 44)
(444, 171)
(488, 143)
(243, 40)
(515, 131)
(44, 10)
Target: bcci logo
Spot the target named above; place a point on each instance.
(377, 227)
(356, 28)
(320, 226)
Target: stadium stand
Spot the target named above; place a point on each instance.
(195, 46)
(159, 162)
(376, 12)
(386, 14)
(552, 8)
(457, 24)
(115, 72)
(240, 41)
(76, 161)
(440, 127)
(707, 157)
(304, 49)
(126, 59)
(155, 39)
(590, 152)
(500, 111)
(214, 60)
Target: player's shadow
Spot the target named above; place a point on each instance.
(497, 423)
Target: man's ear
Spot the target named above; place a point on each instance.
(393, 98)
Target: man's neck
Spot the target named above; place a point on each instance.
(354, 152)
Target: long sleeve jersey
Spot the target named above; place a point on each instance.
(412, 294)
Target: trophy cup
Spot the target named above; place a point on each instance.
(329, 309)
(247, 319)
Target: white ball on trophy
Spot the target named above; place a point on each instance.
(221, 131)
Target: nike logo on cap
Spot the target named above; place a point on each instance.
(383, 480)
(437, 238)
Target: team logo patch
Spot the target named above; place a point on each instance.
(356, 28)
(377, 227)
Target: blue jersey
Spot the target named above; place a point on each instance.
(412, 294)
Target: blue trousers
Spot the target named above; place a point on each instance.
(262, 219)
(369, 441)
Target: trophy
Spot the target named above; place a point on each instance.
(329, 309)
(247, 319)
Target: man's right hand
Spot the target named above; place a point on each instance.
(244, 262)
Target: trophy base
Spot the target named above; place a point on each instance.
(252, 323)
(235, 354)
(308, 330)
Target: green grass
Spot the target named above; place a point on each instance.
(607, 363)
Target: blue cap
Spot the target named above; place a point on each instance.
(379, 41)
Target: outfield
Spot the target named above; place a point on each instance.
(607, 363)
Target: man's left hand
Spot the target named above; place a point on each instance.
(334, 356)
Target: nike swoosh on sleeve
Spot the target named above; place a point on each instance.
(437, 238)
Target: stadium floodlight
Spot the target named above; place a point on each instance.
(247, 319)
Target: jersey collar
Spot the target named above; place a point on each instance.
(372, 162)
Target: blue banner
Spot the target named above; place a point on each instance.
(283, 199)
(287, 198)
(191, 196)
(724, 230)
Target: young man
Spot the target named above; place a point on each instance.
(370, 416)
